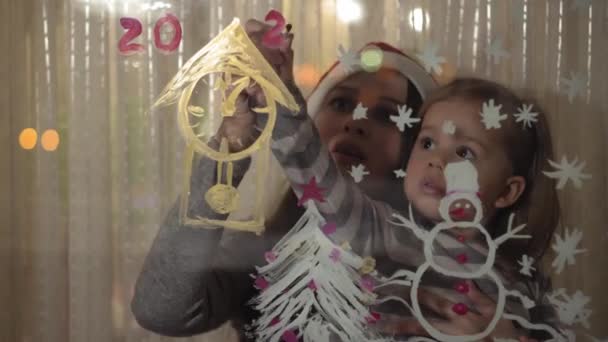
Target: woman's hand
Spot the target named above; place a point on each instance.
(240, 129)
(281, 59)
(457, 324)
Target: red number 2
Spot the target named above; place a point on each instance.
(273, 38)
(133, 27)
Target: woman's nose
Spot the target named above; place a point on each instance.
(357, 127)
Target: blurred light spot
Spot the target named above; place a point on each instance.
(155, 5)
(28, 138)
(306, 75)
(348, 10)
(50, 140)
(418, 19)
(371, 59)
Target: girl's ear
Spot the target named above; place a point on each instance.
(514, 188)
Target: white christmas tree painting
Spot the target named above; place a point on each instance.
(311, 288)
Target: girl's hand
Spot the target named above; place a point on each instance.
(456, 324)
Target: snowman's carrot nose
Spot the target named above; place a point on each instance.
(457, 213)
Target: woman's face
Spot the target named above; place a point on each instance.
(374, 142)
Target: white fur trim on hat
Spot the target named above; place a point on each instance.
(422, 80)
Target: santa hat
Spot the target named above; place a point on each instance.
(392, 58)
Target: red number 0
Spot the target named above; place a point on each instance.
(133, 27)
(177, 36)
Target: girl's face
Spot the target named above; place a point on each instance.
(374, 142)
(486, 149)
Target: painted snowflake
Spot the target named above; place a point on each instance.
(496, 52)
(360, 112)
(358, 172)
(525, 115)
(430, 60)
(568, 171)
(491, 116)
(574, 86)
(571, 309)
(526, 263)
(566, 249)
(448, 127)
(348, 59)
(404, 118)
(400, 173)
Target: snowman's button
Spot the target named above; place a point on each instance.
(462, 258)
(462, 287)
(460, 308)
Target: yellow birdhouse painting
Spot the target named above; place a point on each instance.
(227, 65)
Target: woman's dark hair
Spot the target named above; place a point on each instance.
(413, 101)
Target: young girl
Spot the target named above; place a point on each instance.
(508, 160)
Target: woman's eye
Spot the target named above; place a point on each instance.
(466, 153)
(383, 115)
(342, 104)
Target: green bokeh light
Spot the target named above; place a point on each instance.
(371, 59)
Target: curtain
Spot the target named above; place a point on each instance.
(77, 221)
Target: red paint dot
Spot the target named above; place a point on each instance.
(461, 238)
(462, 287)
(290, 336)
(462, 258)
(373, 317)
(460, 308)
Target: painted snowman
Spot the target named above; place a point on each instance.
(462, 209)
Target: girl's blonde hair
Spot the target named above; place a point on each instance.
(528, 149)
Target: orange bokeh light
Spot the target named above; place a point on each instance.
(28, 138)
(50, 140)
(306, 75)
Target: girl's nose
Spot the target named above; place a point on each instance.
(437, 161)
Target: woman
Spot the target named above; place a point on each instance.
(190, 282)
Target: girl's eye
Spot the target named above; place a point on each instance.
(466, 153)
(427, 143)
(342, 104)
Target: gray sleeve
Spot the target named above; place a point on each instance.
(297, 146)
(183, 289)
